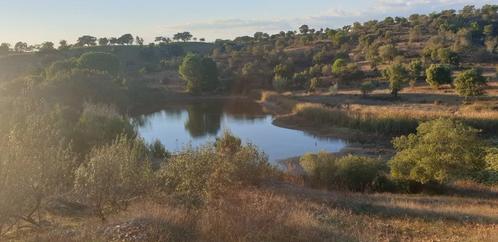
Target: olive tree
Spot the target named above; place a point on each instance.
(438, 75)
(470, 83)
(395, 74)
(35, 162)
(442, 150)
(113, 174)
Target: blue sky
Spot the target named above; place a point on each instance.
(36, 21)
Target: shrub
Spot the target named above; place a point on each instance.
(358, 173)
(196, 175)
(99, 125)
(319, 167)
(99, 61)
(438, 75)
(35, 162)
(470, 83)
(339, 66)
(442, 150)
(113, 174)
(354, 173)
(367, 88)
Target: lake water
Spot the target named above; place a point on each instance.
(196, 123)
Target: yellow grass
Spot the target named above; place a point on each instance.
(284, 212)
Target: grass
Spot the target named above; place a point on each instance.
(285, 212)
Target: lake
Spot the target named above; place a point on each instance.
(199, 122)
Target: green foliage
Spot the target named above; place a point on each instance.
(196, 175)
(113, 174)
(200, 73)
(470, 83)
(60, 67)
(80, 85)
(99, 61)
(415, 69)
(438, 75)
(442, 150)
(395, 74)
(339, 66)
(358, 173)
(446, 56)
(99, 125)
(353, 173)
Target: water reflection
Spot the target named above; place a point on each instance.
(196, 123)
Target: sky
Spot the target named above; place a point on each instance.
(36, 21)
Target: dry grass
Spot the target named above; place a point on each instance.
(285, 212)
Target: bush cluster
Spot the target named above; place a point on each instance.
(354, 173)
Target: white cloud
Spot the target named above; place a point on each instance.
(332, 18)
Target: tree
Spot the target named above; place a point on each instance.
(21, 47)
(395, 74)
(86, 40)
(304, 29)
(126, 39)
(200, 73)
(4, 48)
(470, 83)
(446, 56)
(46, 47)
(184, 36)
(442, 150)
(437, 75)
(103, 41)
(63, 45)
(114, 174)
(35, 162)
(139, 41)
(388, 52)
(113, 41)
(100, 61)
(415, 68)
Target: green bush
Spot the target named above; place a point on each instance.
(470, 83)
(437, 75)
(442, 150)
(354, 173)
(99, 61)
(358, 173)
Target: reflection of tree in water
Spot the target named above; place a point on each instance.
(204, 119)
(242, 109)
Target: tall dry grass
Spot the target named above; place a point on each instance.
(390, 121)
(283, 212)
